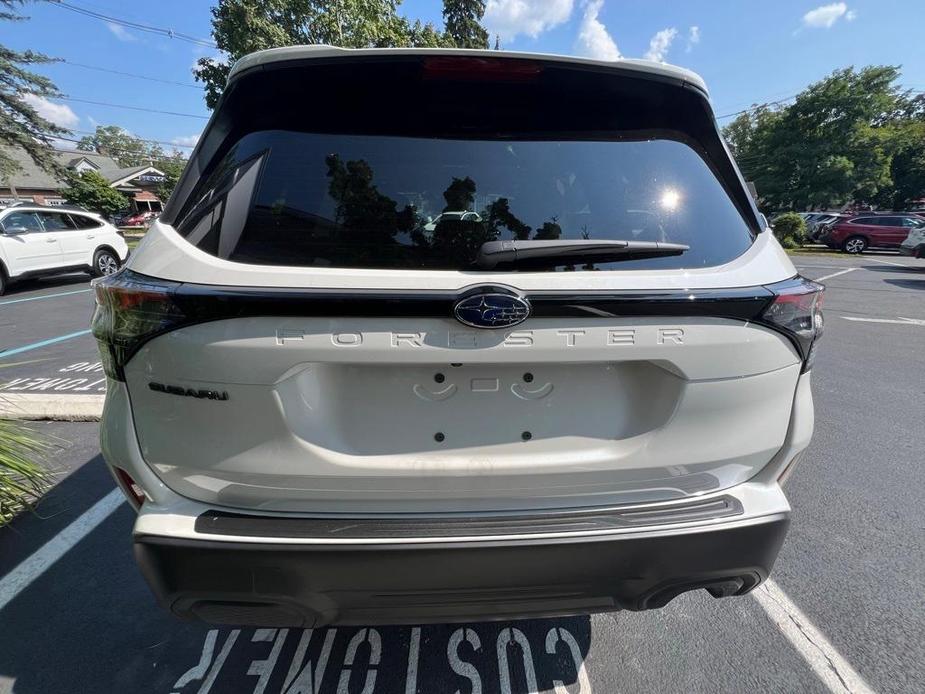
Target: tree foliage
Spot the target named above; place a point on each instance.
(92, 191)
(117, 143)
(462, 19)
(852, 137)
(790, 229)
(240, 27)
(20, 124)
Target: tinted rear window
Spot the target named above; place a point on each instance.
(289, 198)
(407, 164)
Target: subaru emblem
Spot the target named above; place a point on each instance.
(492, 310)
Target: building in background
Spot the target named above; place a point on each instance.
(32, 184)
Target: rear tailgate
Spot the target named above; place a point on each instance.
(424, 414)
(315, 254)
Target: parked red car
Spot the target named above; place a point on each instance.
(856, 234)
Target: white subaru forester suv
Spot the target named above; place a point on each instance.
(329, 408)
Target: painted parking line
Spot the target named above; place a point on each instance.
(887, 262)
(44, 296)
(895, 321)
(836, 274)
(36, 564)
(42, 343)
(812, 645)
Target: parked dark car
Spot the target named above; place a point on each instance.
(857, 234)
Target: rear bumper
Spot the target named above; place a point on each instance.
(913, 251)
(312, 584)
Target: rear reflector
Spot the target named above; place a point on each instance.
(136, 495)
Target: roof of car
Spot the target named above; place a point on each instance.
(35, 207)
(645, 68)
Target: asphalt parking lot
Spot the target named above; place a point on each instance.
(845, 611)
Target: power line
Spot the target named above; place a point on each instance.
(115, 150)
(160, 31)
(65, 61)
(757, 106)
(81, 100)
(785, 100)
(128, 134)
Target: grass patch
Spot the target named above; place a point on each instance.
(813, 250)
(23, 480)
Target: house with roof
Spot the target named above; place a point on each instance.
(31, 184)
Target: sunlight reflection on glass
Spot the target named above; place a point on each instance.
(670, 199)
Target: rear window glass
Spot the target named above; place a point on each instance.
(85, 222)
(370, 201)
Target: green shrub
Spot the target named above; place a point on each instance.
(22, 479)
(790, 230)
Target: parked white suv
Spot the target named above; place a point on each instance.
(584, 397)
(38, 240)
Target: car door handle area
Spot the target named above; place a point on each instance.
(91, 236)
(50, 240)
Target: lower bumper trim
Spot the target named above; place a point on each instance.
(258, 584)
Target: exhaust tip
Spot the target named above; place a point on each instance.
(717, 587)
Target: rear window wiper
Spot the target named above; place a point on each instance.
(494, 253)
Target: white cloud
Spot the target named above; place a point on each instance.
(59, 114)
(593, 39)
(824, 16)
(185, 140)
(120, 32)
(660, 44)
(693, 38)
(851, 15)
(508, 18)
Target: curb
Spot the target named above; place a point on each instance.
(60, 408)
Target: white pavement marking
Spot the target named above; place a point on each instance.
(19, 578)
(897, 321)
(828, 664)
(414, 649)
(887, 262)
(835, 274)
(43, 296)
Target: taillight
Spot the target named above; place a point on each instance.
(130, 310)
(797, 312)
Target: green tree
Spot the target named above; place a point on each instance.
(907, 169)
(90, 190)
(463, 23)
(835, 144)
(117, 143)
(790, 229)
(171, 166)
(20, 124)
(240, 27)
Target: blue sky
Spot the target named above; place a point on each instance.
(747, 50)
